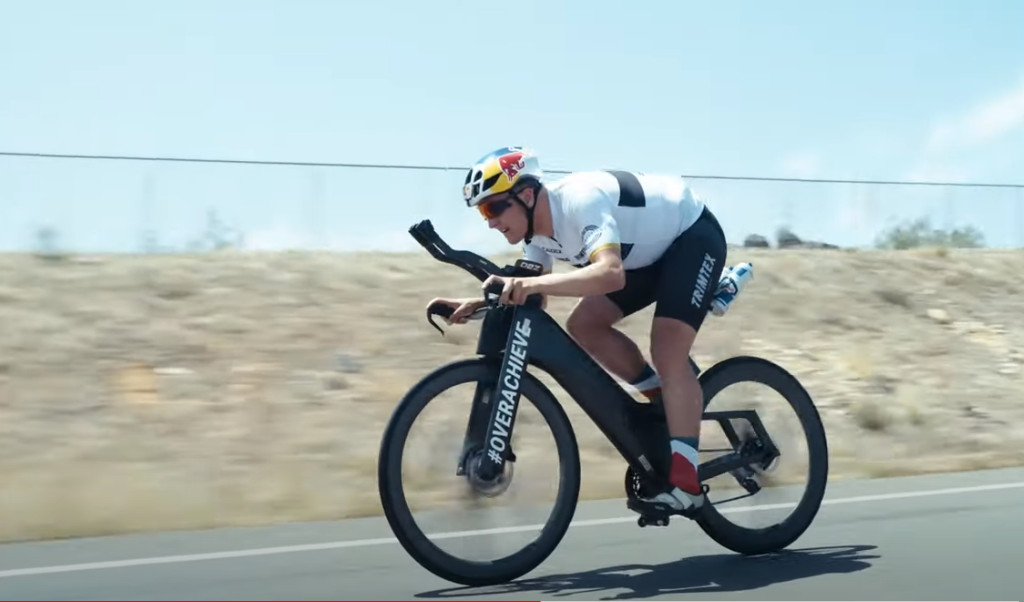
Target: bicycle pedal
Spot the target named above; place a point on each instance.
(655, 514)
(650, 514)
(654, 521)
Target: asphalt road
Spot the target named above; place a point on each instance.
(937, 537)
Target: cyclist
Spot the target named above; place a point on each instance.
(637, 239)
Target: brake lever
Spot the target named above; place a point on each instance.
(439, 309)
(446, 311)
(492, 292)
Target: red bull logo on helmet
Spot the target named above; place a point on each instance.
(511, 164)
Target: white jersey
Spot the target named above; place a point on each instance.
(640, 213)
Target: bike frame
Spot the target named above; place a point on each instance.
(518, 336)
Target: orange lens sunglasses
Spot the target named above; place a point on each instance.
(492, 209)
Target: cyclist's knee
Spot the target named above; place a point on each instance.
(592, 314)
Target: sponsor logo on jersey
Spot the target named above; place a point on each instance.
(590, 234)
(549, 250)
(512, 164)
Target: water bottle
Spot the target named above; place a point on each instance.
(730, 285)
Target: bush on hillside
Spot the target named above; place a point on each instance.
(920, 233)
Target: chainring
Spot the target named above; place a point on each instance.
(636, 488)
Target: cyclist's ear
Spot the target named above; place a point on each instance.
(526, 194)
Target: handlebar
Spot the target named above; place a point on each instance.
(480, 267)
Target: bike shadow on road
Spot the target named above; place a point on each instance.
(697, 574)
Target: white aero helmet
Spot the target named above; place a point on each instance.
(500, 171)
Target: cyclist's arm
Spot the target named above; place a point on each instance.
(532, 253)
(604, 275)
(543, 296)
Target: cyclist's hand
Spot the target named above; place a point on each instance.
(514, 290)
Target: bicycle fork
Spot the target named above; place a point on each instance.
(489, 429)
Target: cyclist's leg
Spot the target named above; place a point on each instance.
(591, 324)
(692, 268)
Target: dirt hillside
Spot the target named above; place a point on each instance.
(188, 391)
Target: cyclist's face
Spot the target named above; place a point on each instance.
(506, 216)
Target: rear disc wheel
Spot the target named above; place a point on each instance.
(714, 522)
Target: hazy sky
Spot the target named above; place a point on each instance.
(856, 89)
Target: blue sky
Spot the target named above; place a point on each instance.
(855, 89)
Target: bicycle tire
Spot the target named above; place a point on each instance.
(750, 541)
(397, 512)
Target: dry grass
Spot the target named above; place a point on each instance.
(172, 392)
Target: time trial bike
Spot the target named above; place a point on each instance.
(516, 340)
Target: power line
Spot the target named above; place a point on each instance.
(231, 161)
(461, 168)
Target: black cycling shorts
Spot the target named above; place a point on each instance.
(683, 280)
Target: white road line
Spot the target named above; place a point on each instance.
(334, 545)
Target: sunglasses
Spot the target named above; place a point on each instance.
(492, 209)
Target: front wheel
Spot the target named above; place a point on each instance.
(758, 540)
(548, 526)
